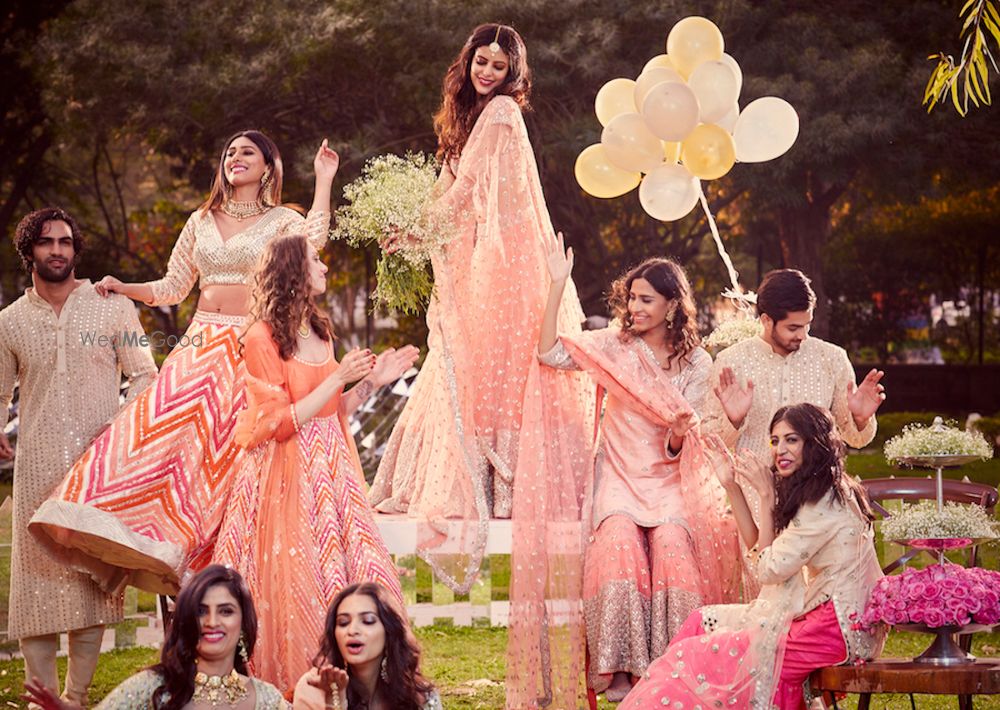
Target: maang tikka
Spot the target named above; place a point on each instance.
(494, 46)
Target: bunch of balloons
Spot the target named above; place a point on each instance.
(679, 123)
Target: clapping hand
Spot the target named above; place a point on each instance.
(865, 399)
(355, 365)
(326, 163)
(391, 364)
(752, 469)
(721, 458)
(735, 400)
(559, 259)
(683, 423)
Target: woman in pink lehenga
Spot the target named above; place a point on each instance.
(485, 432)
(143, 504)
(298, 525)
(661, 545)
(814, 556)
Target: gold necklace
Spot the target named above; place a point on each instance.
(211, 688)
(305, 330)
(243, 210)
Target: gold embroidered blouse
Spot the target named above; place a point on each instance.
(200, 250)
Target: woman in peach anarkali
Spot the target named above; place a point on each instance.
(485, 432)
(298, 525)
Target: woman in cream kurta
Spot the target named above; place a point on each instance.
(660, 541)
(815, 573)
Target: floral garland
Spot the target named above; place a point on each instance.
(924, 521)
(936, 440)
(392, 197)
(940, 595)
(732, 331)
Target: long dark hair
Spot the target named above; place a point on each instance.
(281, 296)
(460, 103)
(178, 659)
(270, 193)
(670, 281)
(408, 689)
(822, 468)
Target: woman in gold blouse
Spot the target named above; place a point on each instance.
(144, 503)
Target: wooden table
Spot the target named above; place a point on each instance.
(898, 675)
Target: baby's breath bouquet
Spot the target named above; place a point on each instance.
(391, 197)
(924, 521)
(936, 440)
(731, 331)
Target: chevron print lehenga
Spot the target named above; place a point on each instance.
(298, 525)
(143, 504)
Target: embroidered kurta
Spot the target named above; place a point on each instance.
(818, 373)
(827, 553)
(69, 369)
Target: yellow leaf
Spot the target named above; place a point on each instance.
(992, 11)
(965, 7)
(954, 98)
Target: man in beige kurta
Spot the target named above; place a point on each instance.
(67, 348)
(756, 377)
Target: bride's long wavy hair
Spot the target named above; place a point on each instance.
(461, 104)
(280, 295)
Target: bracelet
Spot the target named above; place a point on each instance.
(295, 419)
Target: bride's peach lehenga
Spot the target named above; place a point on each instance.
(486, 432)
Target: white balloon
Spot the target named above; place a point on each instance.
(729, 120)
(629, 144)
(766, 129)
(660, 60)
(650, 78)
(715, 86)
(670, 110)
(669, 192)
(734, 65)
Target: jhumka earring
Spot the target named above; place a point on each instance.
(495, 44)
(242, 648)
(383, 671)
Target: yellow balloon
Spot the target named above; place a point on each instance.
(692, 41)
(660, 60)
(671, 151)
(614, 99)
(709, 152)
(598, 177)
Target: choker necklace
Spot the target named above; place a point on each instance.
(243, 210)
(305, 330)
(212, 688)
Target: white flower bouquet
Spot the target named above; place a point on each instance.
(392, 197)
(731, 331)
(936, 440)
(923, 520)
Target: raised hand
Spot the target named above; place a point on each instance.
(108, 285)
(355, 365)
(721, 458)
(735, 400)
(559, 259)
(326, 163)
(6, 450)
(391, 364)
(398, 240)
(865, 399)
(756, 472)
(683, 423)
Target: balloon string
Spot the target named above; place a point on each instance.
(742, 299)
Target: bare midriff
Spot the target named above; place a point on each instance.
(227, 299)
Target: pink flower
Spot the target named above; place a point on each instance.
(934, 617)
(932, 590)
(915, 591)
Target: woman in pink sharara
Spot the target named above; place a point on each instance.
(661, 544)
(815, 559)
(485, 433)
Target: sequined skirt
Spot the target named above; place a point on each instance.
(640, 584)
(143, 504)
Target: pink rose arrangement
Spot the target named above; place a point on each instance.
(940, 595)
